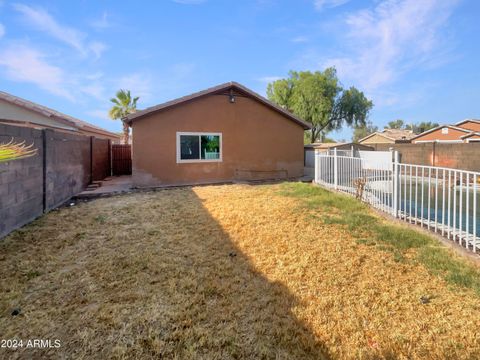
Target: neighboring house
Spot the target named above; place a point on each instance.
(321, 147)
(17, 111)
(388, 136)
(462, 132)
(311, 149)
(221, 134)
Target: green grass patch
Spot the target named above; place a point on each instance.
(101, 219)
(371, 230)
(32, 274)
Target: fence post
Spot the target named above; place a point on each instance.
(91, 159)
(317, 165)
(396, 182)
(335, 169)
(109, 172)
(44, 171)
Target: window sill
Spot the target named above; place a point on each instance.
(198, 161)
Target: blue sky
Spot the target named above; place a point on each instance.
(416, 59)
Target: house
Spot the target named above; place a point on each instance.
(323, 147)
(20, 112)
(311, 149)
(388, 136)
(465, 131)
(221, 134)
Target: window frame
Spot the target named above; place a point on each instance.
(199, 134)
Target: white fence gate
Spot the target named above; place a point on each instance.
(443, 200)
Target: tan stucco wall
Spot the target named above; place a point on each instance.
(257, 142)
(10, 111)
(377, 139)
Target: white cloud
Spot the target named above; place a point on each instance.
(300, 39)
(94, 76)
(43, 21)
(25, 64)
(190, 2)
(138, 83)
(97, 48)
(94, 89)
(2, 30)
(322, 4)
(99, 114)
(102, 23)
(182, 70)
(269, 79)
(391, 39)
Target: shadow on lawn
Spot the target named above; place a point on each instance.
(164, 279)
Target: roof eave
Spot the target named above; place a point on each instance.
(195, 96)
(467, 120)
(375, 133)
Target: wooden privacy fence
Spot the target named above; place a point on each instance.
(121, 159)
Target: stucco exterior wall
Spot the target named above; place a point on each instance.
(10, 111)
(257, 143)
(377, 139)
(27, 118)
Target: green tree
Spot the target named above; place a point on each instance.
(359, 132)
(319, 99)
(416, 128)
(281, 92)
(421, 127)
(396, 124)
(123, 105)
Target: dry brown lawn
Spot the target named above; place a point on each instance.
(221, 272)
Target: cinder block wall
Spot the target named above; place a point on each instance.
(464, 156)
(64, 165)
(68, 166)
(21, 181)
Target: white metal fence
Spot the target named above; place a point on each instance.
(212, 155)
(443, 200)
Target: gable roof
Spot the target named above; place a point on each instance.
(56, 115)
(441, 127)
(473, 133)
(326, 146)
(391, 134)
(467, 120)
(219, 89)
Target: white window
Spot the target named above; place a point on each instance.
(199, 147)
(445, 130)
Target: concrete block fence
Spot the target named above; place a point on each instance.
(63, 166)
(462, 156)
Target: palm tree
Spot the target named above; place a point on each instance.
(123, 106)
(15, 151)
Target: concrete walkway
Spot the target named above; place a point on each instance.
(110, 186)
